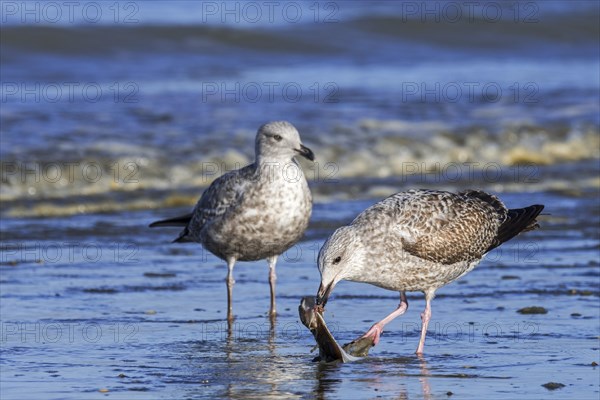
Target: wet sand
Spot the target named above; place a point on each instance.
(146, 318)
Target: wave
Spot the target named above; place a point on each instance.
(102, 40)
(375, 155)
(479, 32)
(560, 31)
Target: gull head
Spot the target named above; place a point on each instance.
(341, 257)
(280, 140)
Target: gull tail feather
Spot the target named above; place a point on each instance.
(183, 220)
(517, 220)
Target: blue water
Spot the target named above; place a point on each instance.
(125, 112)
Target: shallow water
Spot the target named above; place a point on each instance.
(144, 318)
(93, 304)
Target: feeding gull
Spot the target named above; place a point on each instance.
(419, 240)
(256, 212)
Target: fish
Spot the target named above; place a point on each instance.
(330, 350)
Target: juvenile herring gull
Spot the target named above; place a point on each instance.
(256, 212)
(419, 240)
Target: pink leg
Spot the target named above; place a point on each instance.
(230, 282)
(272, 280)
(425, 317)
(377, 328)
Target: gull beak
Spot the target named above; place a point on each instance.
(323, 294)
(306, 152)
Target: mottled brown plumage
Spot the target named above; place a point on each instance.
(419, 240)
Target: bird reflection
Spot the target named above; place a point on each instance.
(325, 380)
(424, 378)
(329, 377)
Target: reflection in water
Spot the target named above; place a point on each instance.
(424, 378)
(372, 373)
(272, 335)
(248, 361)
(325, 380)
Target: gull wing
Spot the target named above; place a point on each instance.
(447, 228)
(224, 193)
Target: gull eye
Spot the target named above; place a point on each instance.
(277, 137)
(337, 260)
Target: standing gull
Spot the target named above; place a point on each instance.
(419, 240)
(256, 212)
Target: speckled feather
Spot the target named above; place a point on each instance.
(418, 240)
(256, 212)
(251, 214)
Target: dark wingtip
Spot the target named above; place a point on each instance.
(177, 221)
(536, 210)
(518, 220)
